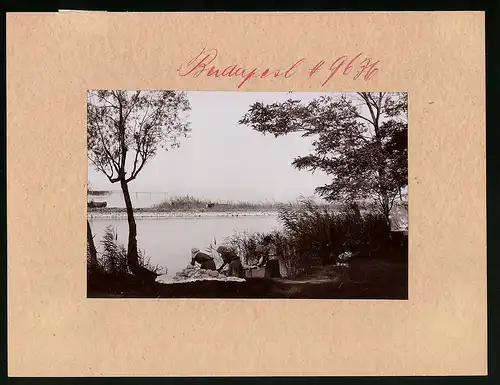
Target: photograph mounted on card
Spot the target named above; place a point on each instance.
(297, 205)
(321, 212)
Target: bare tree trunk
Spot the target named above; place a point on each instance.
(93, 251)
(132, 253)
(94, 267)
(375, 110)
(387, 211)
(384, 197)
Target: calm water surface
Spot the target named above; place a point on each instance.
(168, 241)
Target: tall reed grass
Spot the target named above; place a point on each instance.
(191, 203)
(314, 235)
(113, 257)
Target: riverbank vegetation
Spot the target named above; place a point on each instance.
(314, 236)
(193, 204)
(112, 261)
(189, 203)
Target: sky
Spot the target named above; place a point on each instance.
(223, 160)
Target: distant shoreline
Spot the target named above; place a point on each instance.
(138, 214)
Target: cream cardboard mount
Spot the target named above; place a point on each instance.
(54, 59)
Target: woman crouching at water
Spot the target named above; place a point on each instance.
(230, 258)
(205, 260)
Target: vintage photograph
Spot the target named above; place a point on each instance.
(221, 194)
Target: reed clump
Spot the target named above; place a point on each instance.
(315, 235)
(112, 259)
(189, 203)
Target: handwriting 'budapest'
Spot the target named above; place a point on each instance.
(205, 64)
(202, 63)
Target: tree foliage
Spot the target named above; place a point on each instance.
(359, 140)
(125, 129)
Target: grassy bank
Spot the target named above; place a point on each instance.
(192, 204)
(189, 203)
(116, 215)
(157, 209)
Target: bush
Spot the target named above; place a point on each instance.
(328, 233)
(113, 258)
(114, 255)
(310, 231)
(245, 245)
(314, 235)
(181, 203)
(90, 271)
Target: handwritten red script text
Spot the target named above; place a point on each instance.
(358, 66)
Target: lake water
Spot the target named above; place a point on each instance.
(168, 241)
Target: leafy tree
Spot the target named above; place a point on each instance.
(125, 129)
(359, 140)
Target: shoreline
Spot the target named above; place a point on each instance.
(178, 215)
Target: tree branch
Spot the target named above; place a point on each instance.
(111, 160)
(135, 173)
(362, 117)
(123, 146)
(136, 157)
(392, 202)
(366, 98)
(103, 170)
(379, 106)
(135, 98)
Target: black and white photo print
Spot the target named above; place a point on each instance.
(197, 194)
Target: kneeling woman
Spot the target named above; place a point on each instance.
(205, 260)
(230, 258)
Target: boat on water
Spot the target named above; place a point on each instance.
(94, 205)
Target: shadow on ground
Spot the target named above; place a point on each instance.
(364, 279)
